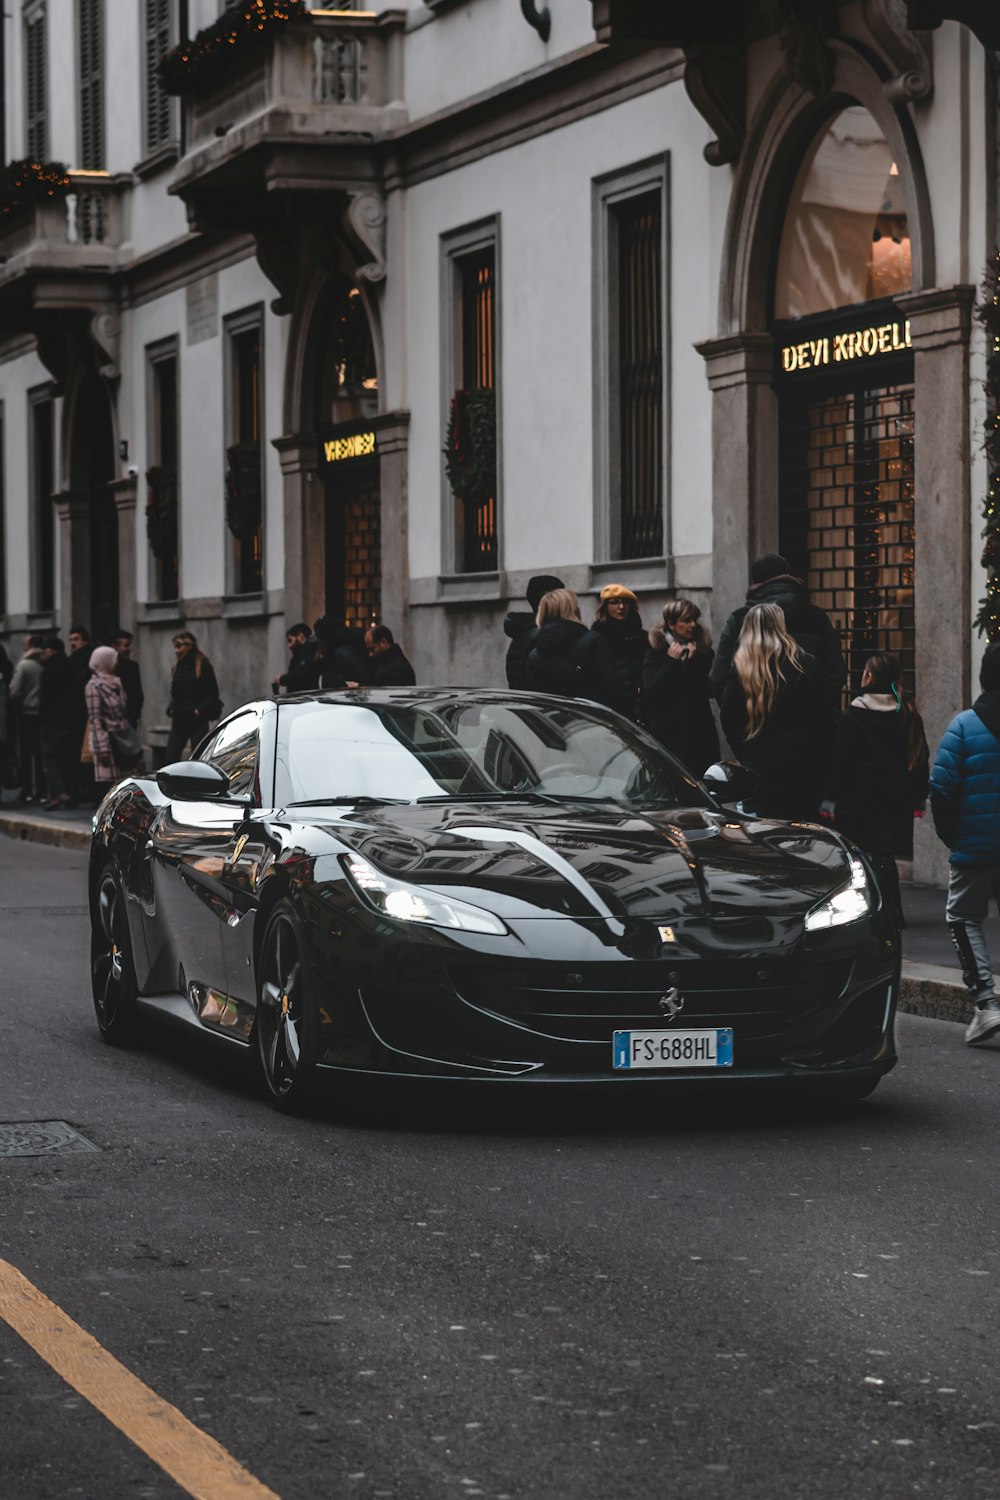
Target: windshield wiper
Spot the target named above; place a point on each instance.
(349, 802)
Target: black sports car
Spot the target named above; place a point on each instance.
(483, 885)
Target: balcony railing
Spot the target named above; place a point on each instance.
(81, 227)
(337, 75)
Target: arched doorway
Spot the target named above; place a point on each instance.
(92, 469)
(844, 378)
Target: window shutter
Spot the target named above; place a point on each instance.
(90, 47)
(156, 29)
(36, 131)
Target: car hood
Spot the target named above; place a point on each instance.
(679, 864)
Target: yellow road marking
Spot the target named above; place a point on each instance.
(196, 1461)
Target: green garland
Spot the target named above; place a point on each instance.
(471, 455)
(988, 313)
(161, 512)
(26, 182)
(239, 32)
(243, 497)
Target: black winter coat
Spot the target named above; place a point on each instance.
(570, 661)
(303, 669)
(809, 626)
(520, 627)
(390, 669)
(131, 680)
(874, 792)
(57, 708)
(629, 644)
(194, 696)
(791, 752)
(675, 704)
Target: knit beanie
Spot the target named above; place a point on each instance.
(771, 565)
(617, 591)
(541, 585)
(989, 672)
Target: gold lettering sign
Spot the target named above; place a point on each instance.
(857, 343)
(354, 445)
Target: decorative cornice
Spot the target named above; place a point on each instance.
(907, 51)
(716, 81)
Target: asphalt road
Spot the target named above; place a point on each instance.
(421, 1297)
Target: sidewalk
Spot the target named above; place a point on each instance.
(932, 982)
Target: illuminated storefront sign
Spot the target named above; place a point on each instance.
(831, 350)
(336, 450)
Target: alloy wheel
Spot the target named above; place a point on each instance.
(283, 1018)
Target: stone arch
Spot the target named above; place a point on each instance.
(324, 268)
(786, 121)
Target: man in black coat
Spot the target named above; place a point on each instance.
(303, 668)
(57, 718)
(129, 675)
(808, 625)
(520, 626)
(388, 666)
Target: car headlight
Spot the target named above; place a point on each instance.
(852, 902)
(411, 903)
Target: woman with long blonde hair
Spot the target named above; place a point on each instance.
(775, 716)
(675, 698)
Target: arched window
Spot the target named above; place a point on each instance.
(845, 239)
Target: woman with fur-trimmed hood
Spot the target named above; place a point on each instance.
(675, 699)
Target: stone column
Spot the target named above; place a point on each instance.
(940, 328)
(305, 528)
(123, 491)
(73, 549)
(740, 372)
(393, 447)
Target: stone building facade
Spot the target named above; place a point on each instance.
(708, 275)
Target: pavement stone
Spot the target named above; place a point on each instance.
(931, 982)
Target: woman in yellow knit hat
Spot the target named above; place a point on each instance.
(619, 622)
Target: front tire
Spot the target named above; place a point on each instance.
(287, 1018)
(112, 971)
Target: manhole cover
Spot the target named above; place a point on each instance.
(41, 1138)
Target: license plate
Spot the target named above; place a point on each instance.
(673, 1049)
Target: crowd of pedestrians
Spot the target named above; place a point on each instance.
(68, 719)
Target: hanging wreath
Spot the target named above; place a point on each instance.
(26, 182)
(161, 512)
(209, 56)
(988, 313)
(243, 498)
(471, 454)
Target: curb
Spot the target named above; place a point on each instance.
(936, 993)
(43, 831)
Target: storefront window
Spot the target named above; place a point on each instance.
(846, 238)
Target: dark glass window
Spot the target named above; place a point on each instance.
(163, 477)
(478, 288)
(42, 478)
(233, 748)
(637, 313)
(157, 114)
(244, 479)
(90, 57)
(35, 121)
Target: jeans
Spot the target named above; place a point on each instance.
(59, 757)
(30, 747)
(970, 890)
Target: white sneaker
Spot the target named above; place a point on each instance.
(985, 1022)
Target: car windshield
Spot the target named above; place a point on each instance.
(458, 748)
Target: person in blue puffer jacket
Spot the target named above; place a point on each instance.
(965, 804)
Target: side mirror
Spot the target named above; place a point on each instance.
(728, 781)
(192, 781)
